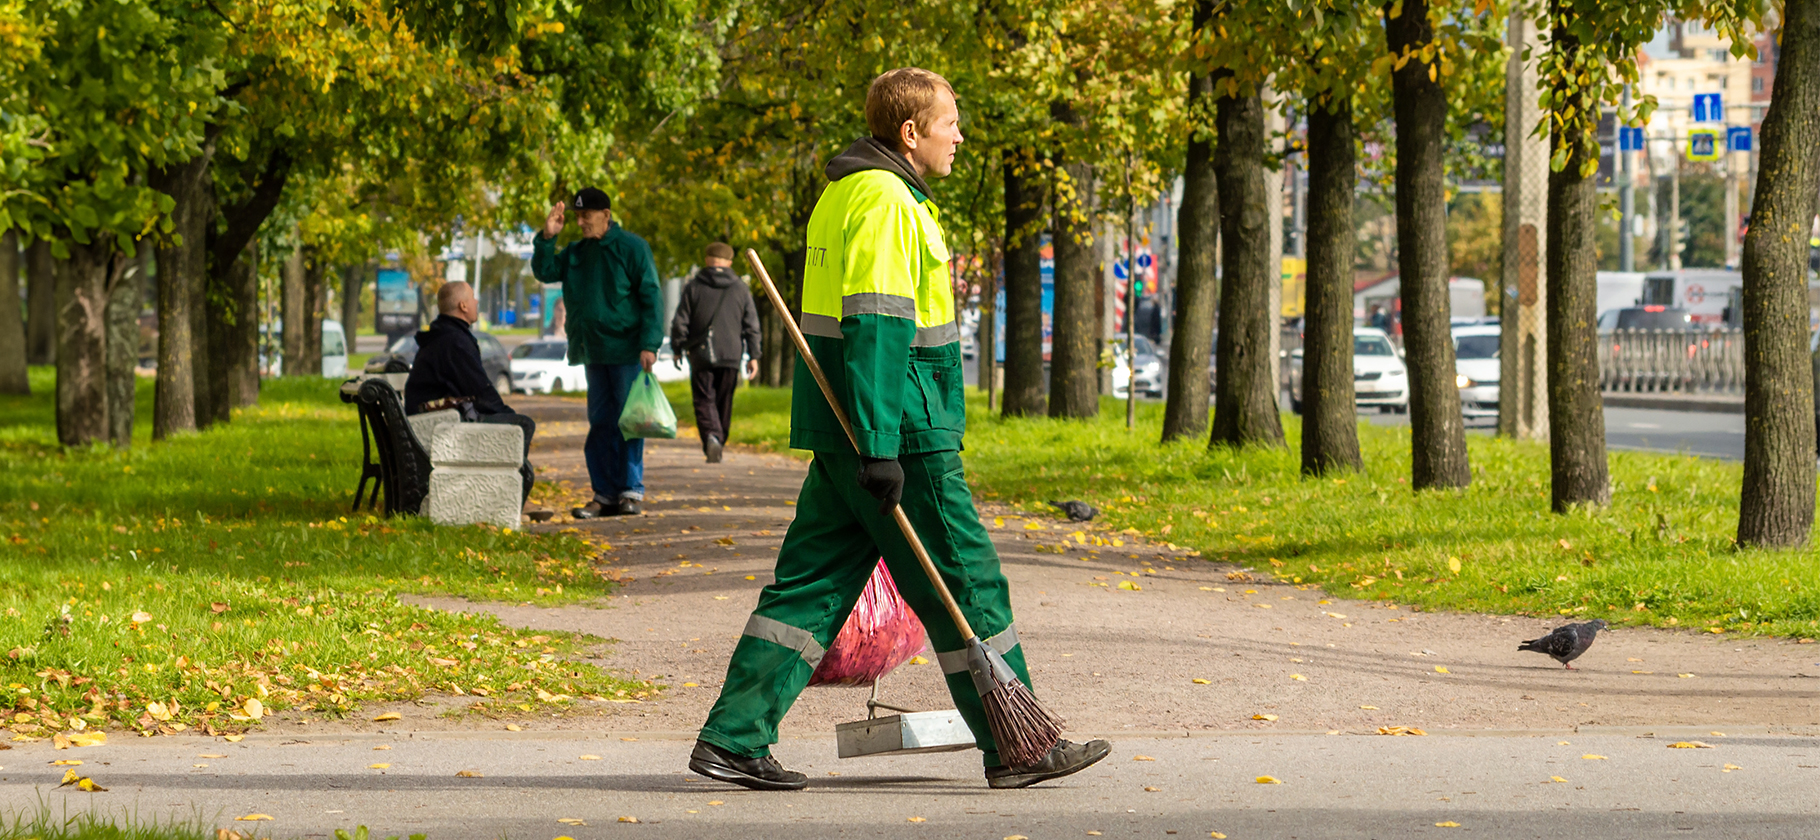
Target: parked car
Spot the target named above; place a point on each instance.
(1379, 378)
(1477, 369)
(1150, 369)
(1651, 317)
(334, 350)
(493, 357)
(542, 367)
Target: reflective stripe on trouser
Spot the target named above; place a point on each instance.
(826, 559)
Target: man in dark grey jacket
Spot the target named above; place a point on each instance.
(715, 321)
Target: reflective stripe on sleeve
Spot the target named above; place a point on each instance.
(955, 661)
(794, 638)
(821, 325)
(878, 303)
(936, 336)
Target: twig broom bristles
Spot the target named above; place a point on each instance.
(1023, 729)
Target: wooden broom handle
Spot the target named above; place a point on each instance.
(815, 369)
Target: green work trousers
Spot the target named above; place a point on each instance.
(828, 555)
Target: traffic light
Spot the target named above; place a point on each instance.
(1680, 243)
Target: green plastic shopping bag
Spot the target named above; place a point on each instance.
(647, 413)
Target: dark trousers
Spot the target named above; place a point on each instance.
(530, 428)
(616, 466)
(713, 391)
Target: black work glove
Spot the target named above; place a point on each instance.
(884, 479)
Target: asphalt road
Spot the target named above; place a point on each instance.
(1706, 434)
(1523, 785)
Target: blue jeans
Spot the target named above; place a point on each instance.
(616, 466)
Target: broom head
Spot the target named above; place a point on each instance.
(1023, 729)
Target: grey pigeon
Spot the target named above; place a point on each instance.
(1077, 511)
(1566, 644)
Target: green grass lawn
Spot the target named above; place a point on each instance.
(1662, 554)
(203, 581)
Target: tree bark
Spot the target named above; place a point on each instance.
(82, 417)
(353, 279)
(14, 378)
(1330, 419)
(174, 400)
(40, 303)
(123, 347)
(1197, 280)
(1026, 194)
(315, 300)
(1245, 391)
(1576, 444)
(1776, 508)
(1437, 428)
(1074, 382)
(291, 305)
(199, 220)
(222, 311)
(241, 357)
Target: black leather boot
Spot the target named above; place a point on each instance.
(755, 773)
(1064, 758)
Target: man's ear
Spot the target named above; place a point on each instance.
(907, 135)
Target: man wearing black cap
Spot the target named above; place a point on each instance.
(715, 322)
(615, 325)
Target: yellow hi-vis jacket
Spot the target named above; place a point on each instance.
(878, 312)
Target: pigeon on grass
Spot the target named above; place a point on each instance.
(1566, 644)
(1077, 511)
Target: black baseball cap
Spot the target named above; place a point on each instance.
(592, 199)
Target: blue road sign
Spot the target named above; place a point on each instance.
(1708, 107)
(1630, 139)
(1737, 138)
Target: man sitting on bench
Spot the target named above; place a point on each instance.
(448, 372)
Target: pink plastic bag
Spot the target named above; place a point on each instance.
(881, 633)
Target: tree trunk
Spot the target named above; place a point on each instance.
(1330, 419)
(1074, 358)
(123, 348)
(1576, 444)
(315, 301)
(82, 417)
(179, 270)
(1026, 194)
(222, 326)
(1245, 389)
(200, 220)
(242, 355)
(777, 368)
(40, 304)
(13, 374)
(353, 279)
(291, 312)
(1437, 429)
(1776, 508)
(1197, 280)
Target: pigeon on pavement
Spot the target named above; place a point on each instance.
(1077, 511)
(1566, 644)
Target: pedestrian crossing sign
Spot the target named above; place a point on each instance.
(1703, 144)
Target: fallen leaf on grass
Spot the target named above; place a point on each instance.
(1268, 780)
(253, 818)
(1400, 730)
(388, 716)
(590, 758)
(1592, 757)
(380, 766)
(468, 774)
(218, 608)
(1142, 758)
(1690, 745)
(1263, 717)
(141, 617)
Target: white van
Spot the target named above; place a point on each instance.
(334, 350)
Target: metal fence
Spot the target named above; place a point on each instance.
(1671, 361)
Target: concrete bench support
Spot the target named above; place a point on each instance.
(475, 476)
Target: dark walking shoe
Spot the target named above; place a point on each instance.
(1064, 758)
(755, 773)
(594, 510)
(713, 447)
(626, 507)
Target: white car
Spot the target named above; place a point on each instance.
(542, 366)
(1379, 378)
(1476, 369)
(334, 350)
(1149, 367)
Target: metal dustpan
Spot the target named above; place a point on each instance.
(905, 733)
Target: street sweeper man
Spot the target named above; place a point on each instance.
(878, 312)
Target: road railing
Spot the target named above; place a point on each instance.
(1671, 361)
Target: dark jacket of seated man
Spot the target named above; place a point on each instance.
(448, 367)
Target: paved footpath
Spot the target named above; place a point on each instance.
(1204, 678)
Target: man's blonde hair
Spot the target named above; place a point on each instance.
(907, 93)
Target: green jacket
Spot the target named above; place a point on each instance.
(610, 288)
(878, 312)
